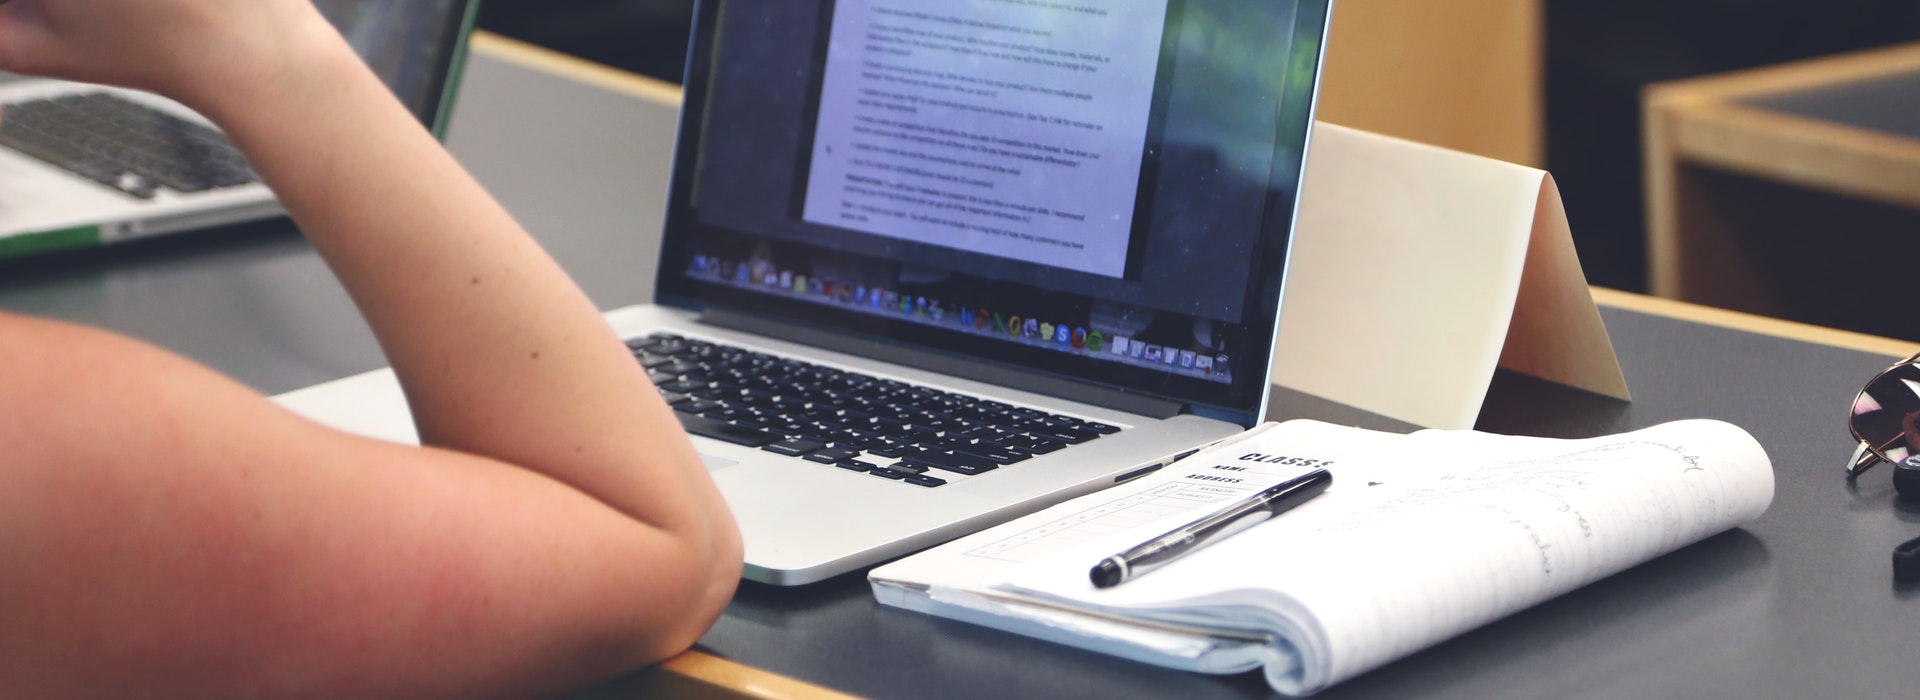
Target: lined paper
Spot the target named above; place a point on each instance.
(1429, 535)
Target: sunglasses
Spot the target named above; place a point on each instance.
(1886, 419)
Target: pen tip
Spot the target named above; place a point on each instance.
(1107, 574)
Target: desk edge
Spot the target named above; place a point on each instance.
(1797, 150)
(1791, 330)
(1790, 76)
(546, 60)
(743, 680)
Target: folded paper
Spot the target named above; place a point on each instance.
(1416, 271)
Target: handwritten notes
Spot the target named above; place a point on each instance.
(1421, 538)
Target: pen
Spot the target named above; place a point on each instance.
(1251, 511)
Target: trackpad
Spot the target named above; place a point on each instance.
(715, 464)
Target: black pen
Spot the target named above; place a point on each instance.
(1156, 552)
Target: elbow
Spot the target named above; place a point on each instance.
(703, 586)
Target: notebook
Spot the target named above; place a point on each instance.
(83, 165)
(992, 256)
(1397, 555)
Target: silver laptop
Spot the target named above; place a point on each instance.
(926, 269)
(82, 165)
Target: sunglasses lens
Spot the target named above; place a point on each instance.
(1886, 414)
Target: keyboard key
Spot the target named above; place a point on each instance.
(788, 430)
(792, 448)
(890, 450)
(1032, 445)
(833, 454)
(857, 465)
(956, 463)
(927, 481)
(998, 455)
(850, 440)
(1066, 435)
(719, 430)
(683, 386)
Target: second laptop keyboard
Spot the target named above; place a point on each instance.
(124, 145)
(886, 428)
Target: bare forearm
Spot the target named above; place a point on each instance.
(202, 544)
(500, 353)
(569, 533)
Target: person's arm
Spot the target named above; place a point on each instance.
(184, 532)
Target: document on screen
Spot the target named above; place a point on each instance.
(1015, 128)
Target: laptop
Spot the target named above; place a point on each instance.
(83, 165)
(925, 270)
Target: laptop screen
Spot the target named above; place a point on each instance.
(411, 44)
(1088, 189)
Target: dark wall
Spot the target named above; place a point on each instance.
(1599, 55)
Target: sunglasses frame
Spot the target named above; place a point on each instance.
(1865, 455)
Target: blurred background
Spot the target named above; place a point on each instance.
(1556, 84)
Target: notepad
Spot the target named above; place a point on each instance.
(1421, 537)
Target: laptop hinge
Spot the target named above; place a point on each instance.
(1105, 397)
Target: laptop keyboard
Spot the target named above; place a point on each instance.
(124, 145)
(885, 428)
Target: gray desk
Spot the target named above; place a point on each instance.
(1800, 604)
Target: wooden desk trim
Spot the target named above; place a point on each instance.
(744, 681)
(1751, 323)
(578, 69)
(1797, 150)
(1701, 120)
(1793, 76)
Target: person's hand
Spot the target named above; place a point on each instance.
(186, 49)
